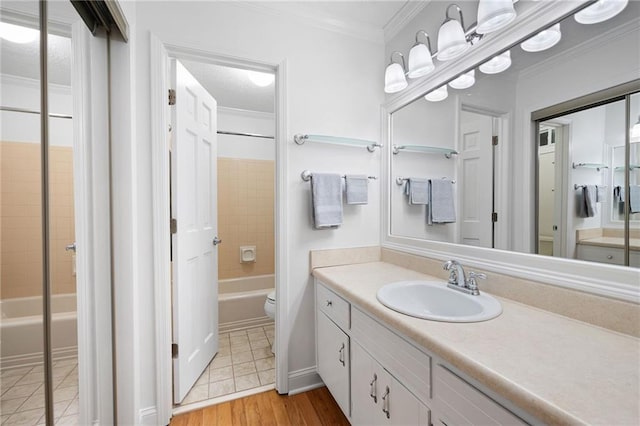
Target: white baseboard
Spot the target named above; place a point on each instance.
(304, 380)
(28, 360)
(244, 324)
(148, 416)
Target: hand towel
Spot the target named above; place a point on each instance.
(590, 196)
(326, 199)
(601, 194)
(418, 191)
(357, 189)
(441, 205)
(634, 199)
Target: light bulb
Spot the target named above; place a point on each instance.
(394, 79)
(464, 81)
(17, 34)
(494, 15)
(600, 11)
(451, 41)
(420, 61)
(544, 40)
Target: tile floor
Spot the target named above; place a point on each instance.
(22, 394)
(244, 361)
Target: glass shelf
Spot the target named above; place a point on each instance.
(447, 152)
(631, 167)
(300, 139)
(596, 166)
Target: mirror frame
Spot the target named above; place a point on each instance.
(613, 281)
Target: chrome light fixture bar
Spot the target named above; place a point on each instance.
(420, 58)
(394, 79)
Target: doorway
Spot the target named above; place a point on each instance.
(243, 180)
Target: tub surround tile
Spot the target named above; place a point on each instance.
(345, 256)
(527, 368)
(616, 315)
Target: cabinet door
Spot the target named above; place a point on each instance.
(365, 386)
(333, 360)
(398, 406)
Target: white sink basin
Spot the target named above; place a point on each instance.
(433, 300)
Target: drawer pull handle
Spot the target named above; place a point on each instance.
(385, 403)
(329, 303)
(372, 391)
(609, 257)
(341, 355)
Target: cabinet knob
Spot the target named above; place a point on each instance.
(609, 257)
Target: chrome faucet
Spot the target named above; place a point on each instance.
(458, 280)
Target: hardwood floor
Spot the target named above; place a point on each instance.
(316, 407)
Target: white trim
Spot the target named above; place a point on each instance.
(148, 416)
(160, 220)
(605, 280)
(28, 360)
(160, 198)
(304, 380)
(33, 83)
(367, 32)
(400, 20)
(221, 399)
(246, 112)
(227, 327)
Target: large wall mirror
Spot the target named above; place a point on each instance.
(500, 179)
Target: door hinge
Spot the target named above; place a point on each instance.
(174, 350)
(173, 226)
(494, 140)
(494, 217)
(172, 97)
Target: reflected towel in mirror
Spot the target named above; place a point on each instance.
(634, 199)
(587, 201)
(357, 189)
(441, 205)
(417, 190)
(326, 200)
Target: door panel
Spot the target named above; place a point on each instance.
(193, 192)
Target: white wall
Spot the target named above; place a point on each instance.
(246, 147)
(19, 92)
(332, 83)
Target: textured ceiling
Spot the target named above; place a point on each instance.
(24, 59)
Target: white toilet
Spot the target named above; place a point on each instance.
(270, 310)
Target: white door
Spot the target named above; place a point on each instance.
(476, 177)
(546, 200)
(195, 256)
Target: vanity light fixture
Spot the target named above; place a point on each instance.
(494, 15)
(464, 81)
(635, 132)
(600, 11)
(17, 34)
(497, 64)
(420, 60)
(261, 79)
(394, 79)
(438, 94)
(544, 40)
(451, 38)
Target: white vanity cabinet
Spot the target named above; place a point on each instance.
(378, 398)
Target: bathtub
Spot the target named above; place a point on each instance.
(21, 328)
(241, 302)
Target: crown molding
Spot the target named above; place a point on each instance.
(32, 83)
(349, 28)
(410, 10)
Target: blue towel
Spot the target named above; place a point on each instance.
(326, 199)
(441, 204)
(417, 190)
(634, 199)
(357, 189)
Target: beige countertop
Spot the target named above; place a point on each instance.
(616, 242)
(560, 370)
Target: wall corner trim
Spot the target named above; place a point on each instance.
(304, 380)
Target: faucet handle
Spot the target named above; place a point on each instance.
(472, 285)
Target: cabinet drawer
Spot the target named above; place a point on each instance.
(456, 402)
(333, 305)
(612, 255)
(405, 362)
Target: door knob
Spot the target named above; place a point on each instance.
(216, 241)
(71, 247)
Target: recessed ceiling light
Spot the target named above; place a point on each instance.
(261, 79)
(17, 34)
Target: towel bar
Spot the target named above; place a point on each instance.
(400, 180)
(306, 176)
(576, 186)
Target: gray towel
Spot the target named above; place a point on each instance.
(590, 199)
(417, 190)
(326, 198)
(601, 194)
(441, 205)
(634, 199)
(357, 189)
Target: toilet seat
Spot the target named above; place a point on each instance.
(271, 297)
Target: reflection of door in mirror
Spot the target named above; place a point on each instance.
(475, 162)
(547, 195)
